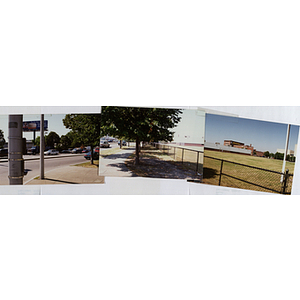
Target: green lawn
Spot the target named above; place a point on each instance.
(270, 180)
(261, 162)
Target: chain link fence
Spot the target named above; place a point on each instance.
(189, 158)
(231, 174)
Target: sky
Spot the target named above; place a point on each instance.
(264, 136)
(54, 124)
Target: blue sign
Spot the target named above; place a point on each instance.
(34, 125)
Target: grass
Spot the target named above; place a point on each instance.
(211, 169)
(261, 162)
(104, 153)
(88, 164)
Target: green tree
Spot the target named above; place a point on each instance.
(279, 156)
(267, 154)
(65, 141)
(140, 124)
(52, 139)
(2, 139)
(37, 141)
(85, 129)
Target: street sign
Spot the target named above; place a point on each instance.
(34, 125)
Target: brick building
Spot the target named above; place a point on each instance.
(231, 143)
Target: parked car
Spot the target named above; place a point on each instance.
(3, 152)
(97, 149)
(77, 150)
(104, 144)
(34, 150)
(66, 151)
(51, 152)
(88, 155)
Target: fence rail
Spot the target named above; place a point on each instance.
(232, 174)
(222, 172)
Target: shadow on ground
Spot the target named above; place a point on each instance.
(121, 167)
(209, 173)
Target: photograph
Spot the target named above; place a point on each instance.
(166, 143)
(249, 154)
(62, 157)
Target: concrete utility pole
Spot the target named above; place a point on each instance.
(15, 147)
(42, 146)
(285, 151)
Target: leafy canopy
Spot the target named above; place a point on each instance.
(138, 123)
(85, 128)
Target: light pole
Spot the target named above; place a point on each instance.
(15, 150)
(42, 146)
(285, 151)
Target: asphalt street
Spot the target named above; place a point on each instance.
(33, 166)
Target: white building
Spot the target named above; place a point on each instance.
(191, 128)
(290, 152)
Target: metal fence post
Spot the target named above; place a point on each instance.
(221, 172)
(284, 184)
(197, 163)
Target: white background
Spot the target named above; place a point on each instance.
(158, 53)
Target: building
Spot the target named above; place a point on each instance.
(217, 147)
(231, 143)
(290, 152)
(191, 129)
(259, 153)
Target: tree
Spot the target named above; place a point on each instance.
(65, 141)
(37, 141)
(267, 154)
(140, 124)
(52, 139)
(2, 139)
(279, 156)
(85, 129)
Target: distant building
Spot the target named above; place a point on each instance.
(259, 153)
(289, 152)
(217, 147)
(231, 143)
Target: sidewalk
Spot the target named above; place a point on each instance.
(114, 165)
(69, 175)
(110, 166)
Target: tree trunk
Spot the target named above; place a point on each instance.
(121, 144)
(92, 156)
(137, 151)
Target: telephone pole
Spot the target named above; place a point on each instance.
(15, 153)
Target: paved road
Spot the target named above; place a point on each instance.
(33, 166)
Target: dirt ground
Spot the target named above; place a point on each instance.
(155, 164)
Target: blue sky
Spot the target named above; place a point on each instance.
(54, 124)
(264, 136)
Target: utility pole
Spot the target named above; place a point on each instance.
(285, 151)
(15, 150)
(42, 146)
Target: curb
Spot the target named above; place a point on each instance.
(47, 157)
